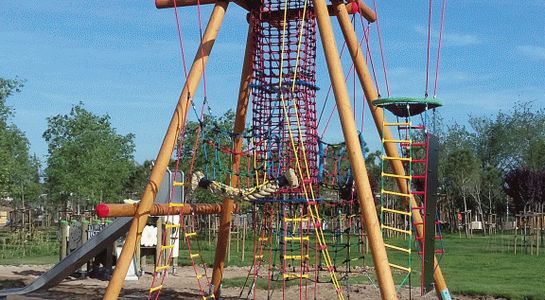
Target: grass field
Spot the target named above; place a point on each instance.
(477, 266)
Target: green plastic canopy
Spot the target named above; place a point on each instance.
(405, 106)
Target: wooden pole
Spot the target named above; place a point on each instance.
(126, 210)
(223, 233)
(163, 158)
(158, 244)
(64, 239)
(365, 196)
(377, 113)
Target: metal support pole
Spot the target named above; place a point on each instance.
(377, 113)
(223, 233)
(357, 163)
(163, 158)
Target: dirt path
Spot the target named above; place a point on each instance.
(180, 286)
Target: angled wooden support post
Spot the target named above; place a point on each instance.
(163, 158)
(365, 195)
(384, 132)
(233, 180)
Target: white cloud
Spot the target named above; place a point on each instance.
(532, 52)
(452, 38)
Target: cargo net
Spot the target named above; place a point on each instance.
(289, 244)
(297, 82)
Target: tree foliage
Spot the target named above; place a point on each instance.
(496, 156)
(88, 161)
(19, 171)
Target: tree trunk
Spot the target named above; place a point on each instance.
(466, 223)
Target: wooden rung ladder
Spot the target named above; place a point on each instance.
(190, 234)
(395, 211)
(384, 157)
(165, 247)
(170, 226)
(407, 232)
(155, 289)
(297, 257)
(396, 141)
(161, 268)
(297, 238)
(408, 270)
(395, 193)
(406, 250)
(396, 175)
(297, 219)
(294, 276)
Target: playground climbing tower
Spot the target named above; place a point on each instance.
(279, 78)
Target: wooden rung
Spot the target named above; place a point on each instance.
(258, 256)
(406, 250)
(201, 276)
(161, 268)
(169, 226)
(155, 289)
(408, 270)
(293, 276)
(195, 255)
(395, 193)
(384, 157)
(178, 183)
(212, 296)
(397, 141)
(395, 211)
(408, 232)
(263, 239)
(297, 238)
(397, 123)
(295, 219)
(173, 204)
(297, 257)
(190, 234)
(164, 247)
(396, 175)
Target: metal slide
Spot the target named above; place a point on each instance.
(75, 259)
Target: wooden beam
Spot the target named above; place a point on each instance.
(371, 94)
(104, 210)
(239, 126)
(246, 4)
(352, 7)
(165, 153)
(365, 195)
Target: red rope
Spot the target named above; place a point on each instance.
(366, 36)
(329, 90)
(381, 51)
(429, 46)
(180, 39)
(439, 48)
(202, 50)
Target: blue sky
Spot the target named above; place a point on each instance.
(122, 58)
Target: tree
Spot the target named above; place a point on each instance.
(526, 187)
(19, 171)
(88, 161)
(138, 178)
(462, 176)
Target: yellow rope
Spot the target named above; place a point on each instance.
(313, 208)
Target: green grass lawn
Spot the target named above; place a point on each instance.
(483, 266)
